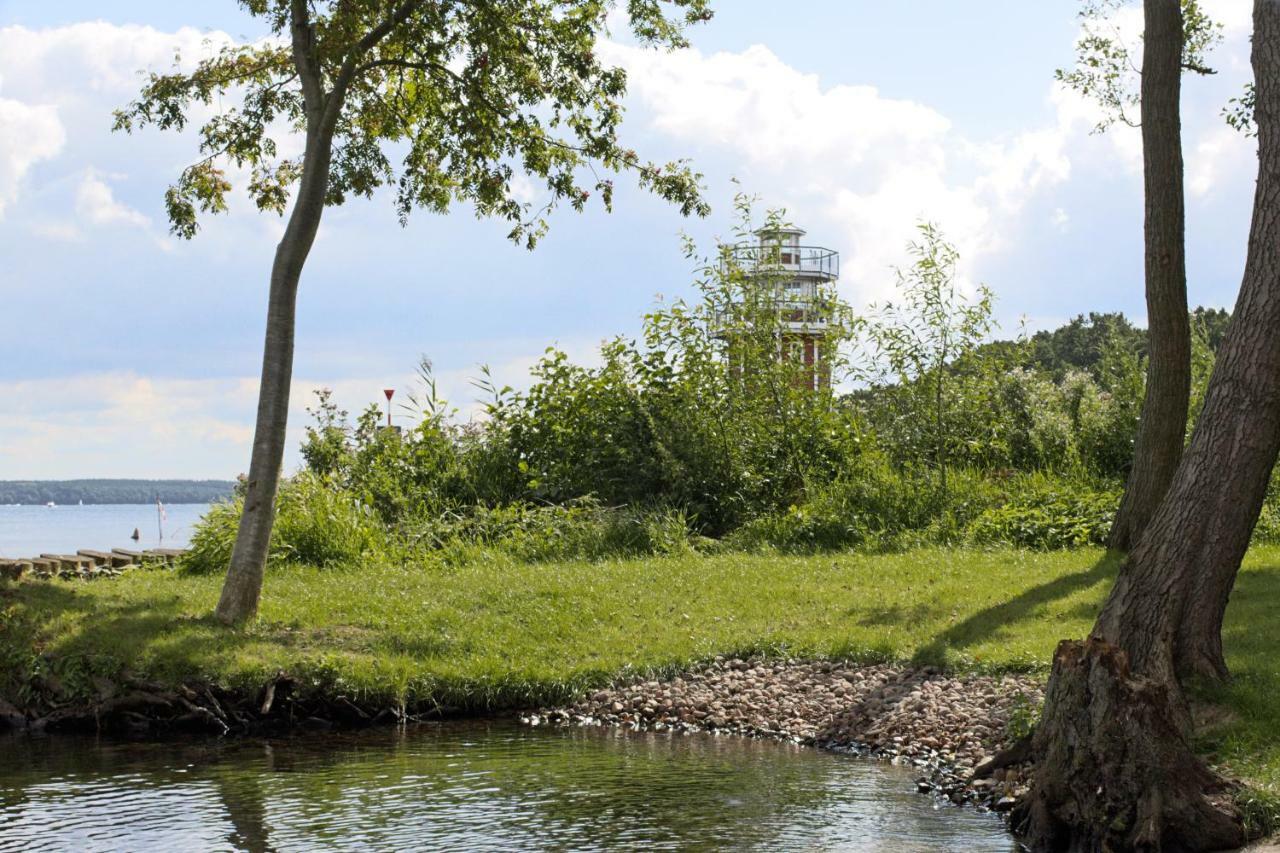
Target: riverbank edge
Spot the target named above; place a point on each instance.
(135, 708)
(945, 724)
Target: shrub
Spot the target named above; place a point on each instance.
(1048, 520)
(316, 524)
(872, 505)
(212, 539)
(577, 530)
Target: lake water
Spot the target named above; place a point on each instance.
(26, 531)
(469, 786)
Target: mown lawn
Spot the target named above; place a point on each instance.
(497, 634)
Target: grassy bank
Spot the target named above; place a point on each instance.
(496, 633)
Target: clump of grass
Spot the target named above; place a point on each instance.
(1260, 809)
(580, 530)
(316, 524)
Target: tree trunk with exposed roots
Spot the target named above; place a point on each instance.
(1114, 769)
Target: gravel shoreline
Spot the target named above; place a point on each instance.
(944, 725)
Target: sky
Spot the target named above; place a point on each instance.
(131, 353)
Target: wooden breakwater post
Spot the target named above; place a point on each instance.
(87, 563)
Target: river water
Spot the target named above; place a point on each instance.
(469, 786)
(26, 531)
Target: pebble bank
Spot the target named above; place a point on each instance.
(944, 725)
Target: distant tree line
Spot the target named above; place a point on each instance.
(1082, 343)
(114, 491)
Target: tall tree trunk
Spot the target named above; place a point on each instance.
(1114, 770)
(243, 586)
(1162, 430)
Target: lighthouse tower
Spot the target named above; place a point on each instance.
(801, 278)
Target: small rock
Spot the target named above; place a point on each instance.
(1005, 804)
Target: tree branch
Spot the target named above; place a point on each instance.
(1197, 68)
(304, 58)
(347, 71)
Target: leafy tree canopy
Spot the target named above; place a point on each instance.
(440, 100)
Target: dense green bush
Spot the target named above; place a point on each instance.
(1047, 520)
(871, 506)
(705, 427)
(316, 524)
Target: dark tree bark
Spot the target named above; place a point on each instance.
(243, 586)
(1114, 770)
(1162, 430)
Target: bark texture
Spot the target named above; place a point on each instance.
(1132, 781)
(243, 586)
(1162, 429)
(1118, 694)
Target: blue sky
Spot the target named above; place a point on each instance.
(134, 354)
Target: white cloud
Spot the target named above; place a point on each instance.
(96, 203)
(1236, 16)
(95, 58)
(80, 73)
(1220, 154)
(126, 423)
(28, 135)
(116, 424)
(870, 165)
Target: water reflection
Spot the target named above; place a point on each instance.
(468, 786)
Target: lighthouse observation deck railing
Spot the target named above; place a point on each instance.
(809, 260)
(811, 316)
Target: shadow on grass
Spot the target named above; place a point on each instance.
(896, 614)
(988, 622)
(1249, 635)
(66, 635)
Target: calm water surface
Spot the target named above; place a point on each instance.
(26, 531)
(469, 786)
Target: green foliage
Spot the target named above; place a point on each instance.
(702, 414)
(1049, 520)
(316, 524)
(872, 506)
(916, 340)
(579, 530)
(705, 420)
(1023, 719)
(212, 539)
(1106, 69)
(1239, 112)
(466, 95)
(1086, 343)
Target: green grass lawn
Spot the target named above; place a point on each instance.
(497, 634)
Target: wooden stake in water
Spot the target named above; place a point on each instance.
(160, 519)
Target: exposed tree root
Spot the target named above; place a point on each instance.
(1114, 771)
(134, 708)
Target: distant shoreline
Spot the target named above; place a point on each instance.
(114, 503)
(113, 492)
